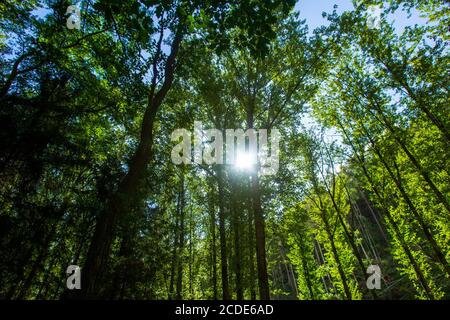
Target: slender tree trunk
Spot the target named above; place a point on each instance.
(237, 247)
(260, 233)
(440, 197)
(306, 272)
(437, 250)
(349, 236)
(191, 254)
(342, 275)
(419, 274)
(175, 257)
(120, 277)
(251, 254)
(14, 72)
(213, 246)
(321, 261)
(403, 244)
(122, 200)
(181, 241)
(260, 236)
(37, 264)
(329, 233)
(223, 240)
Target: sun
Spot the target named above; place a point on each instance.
(244, 161)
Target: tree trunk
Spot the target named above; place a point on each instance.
(306, 272)
(260, 236)
(437, 250)
(251, 254)
(349, 236)
(122, 199)
(237, 247)
(37, 264)
(391, 221)
(440, 197)
(213, 246)
(181, 242)
(223, 240)
(342, 275)
(260, 233)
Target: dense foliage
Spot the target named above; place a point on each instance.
(86, 176)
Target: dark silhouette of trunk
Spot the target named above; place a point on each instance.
(251, 246)
(37, 264)
(45, 284)
(181, 242)
(223, 240)
(123, 198)
(191, 254)
(260, 236)
(173, 267)
(212, 214)
(20, 274)
(237, 247)
(14, 72)
(120, 277)
(260, 233)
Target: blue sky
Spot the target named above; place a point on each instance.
(311, 10)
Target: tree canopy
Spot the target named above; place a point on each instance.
(91, 95)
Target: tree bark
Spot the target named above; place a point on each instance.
(121, 200)
(260, 236)
(341, 272)
(237, 247)
(260, 233)
(181, 242)
(173, 267)
(251, 254)
(223, 240)
(212, 214)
